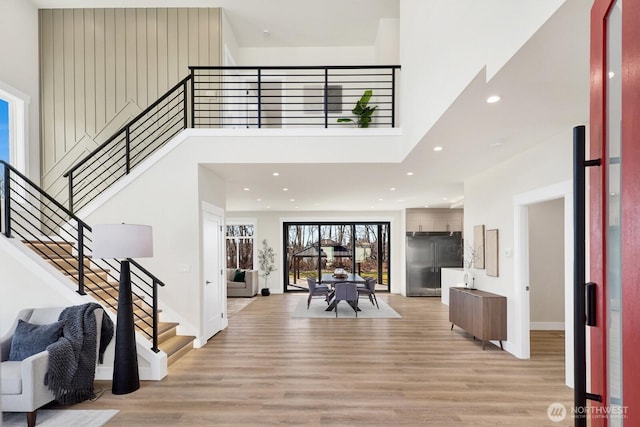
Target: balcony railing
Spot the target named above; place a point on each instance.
(237, 97)
(276, 97)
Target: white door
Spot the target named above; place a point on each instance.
(212, 296)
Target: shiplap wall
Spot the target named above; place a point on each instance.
(101, 67)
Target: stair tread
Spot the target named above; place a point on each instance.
(176, 343)
(60, 255)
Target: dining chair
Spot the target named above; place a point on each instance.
(316, 290)
(369, 290)
(346, 292)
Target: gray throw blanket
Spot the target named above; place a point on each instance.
(72, 359)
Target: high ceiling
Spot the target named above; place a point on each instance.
(544, 90)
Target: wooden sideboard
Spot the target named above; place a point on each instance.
(482, 314)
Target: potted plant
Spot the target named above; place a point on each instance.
(362, 110)
(267, 261)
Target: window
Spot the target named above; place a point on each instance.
(14, 107)
(240, 244)
(320, 247)
(4, 131)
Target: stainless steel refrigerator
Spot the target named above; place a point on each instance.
(427, 253)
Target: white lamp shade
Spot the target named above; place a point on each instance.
(122, 241)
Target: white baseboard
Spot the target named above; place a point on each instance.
(546, 326)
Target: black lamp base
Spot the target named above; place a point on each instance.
(125, 368)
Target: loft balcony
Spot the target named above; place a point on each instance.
(291, 97)
(237, 98)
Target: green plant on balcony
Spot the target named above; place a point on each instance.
(363, 111)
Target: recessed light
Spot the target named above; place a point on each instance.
(275, 174)
(285, 189)
(409, 173)
(258, 200)
(268, 207)
(381, 199)
(246, 188)
(437, 148)
(392, 189)
(426, 206)
(292, 200)
(493, 99)
(444, 198)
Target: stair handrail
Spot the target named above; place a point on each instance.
(6, 225)
(206, 101)
(126, 130)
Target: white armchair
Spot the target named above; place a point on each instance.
(22, 387)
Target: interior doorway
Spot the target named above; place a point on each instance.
(522, 296)
(213, 289)
(546, 265)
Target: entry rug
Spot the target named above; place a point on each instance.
(368, 311)
(60, 417)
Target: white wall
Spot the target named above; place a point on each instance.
(546, 264)
(445, 44)
(19, 70)
(269, 226)
(168, 197)
(22, 283)
(308, 55)
(489, 200)
(229, 43)
(387, 45)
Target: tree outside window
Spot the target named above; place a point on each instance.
(240, 242)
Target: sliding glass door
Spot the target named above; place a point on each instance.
(316, 248)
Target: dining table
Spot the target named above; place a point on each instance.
(332, 279)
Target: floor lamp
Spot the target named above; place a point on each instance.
(124, 241)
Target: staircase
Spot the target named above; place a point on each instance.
(104, 288)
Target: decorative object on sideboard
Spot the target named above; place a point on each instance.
(469, 261)
(267, 261)
(124, 241)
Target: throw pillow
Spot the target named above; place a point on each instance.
(29, 339)
(239, 276)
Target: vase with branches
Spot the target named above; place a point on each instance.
(471, 256)
(267, 262)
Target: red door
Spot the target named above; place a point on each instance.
(615, 211)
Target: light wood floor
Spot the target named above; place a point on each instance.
(270, 369)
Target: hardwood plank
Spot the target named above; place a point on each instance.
(268, 368)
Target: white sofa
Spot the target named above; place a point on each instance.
(22, 382)
(248, 288)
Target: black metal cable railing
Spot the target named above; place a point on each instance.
(130, 146)
(237, 97)
(28, 213)
(275, 97)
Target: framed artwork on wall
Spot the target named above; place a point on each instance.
(492, 253)
(478, 246)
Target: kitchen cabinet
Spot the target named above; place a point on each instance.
(434, 220)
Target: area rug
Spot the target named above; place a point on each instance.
(61, 417)
(368, 311)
